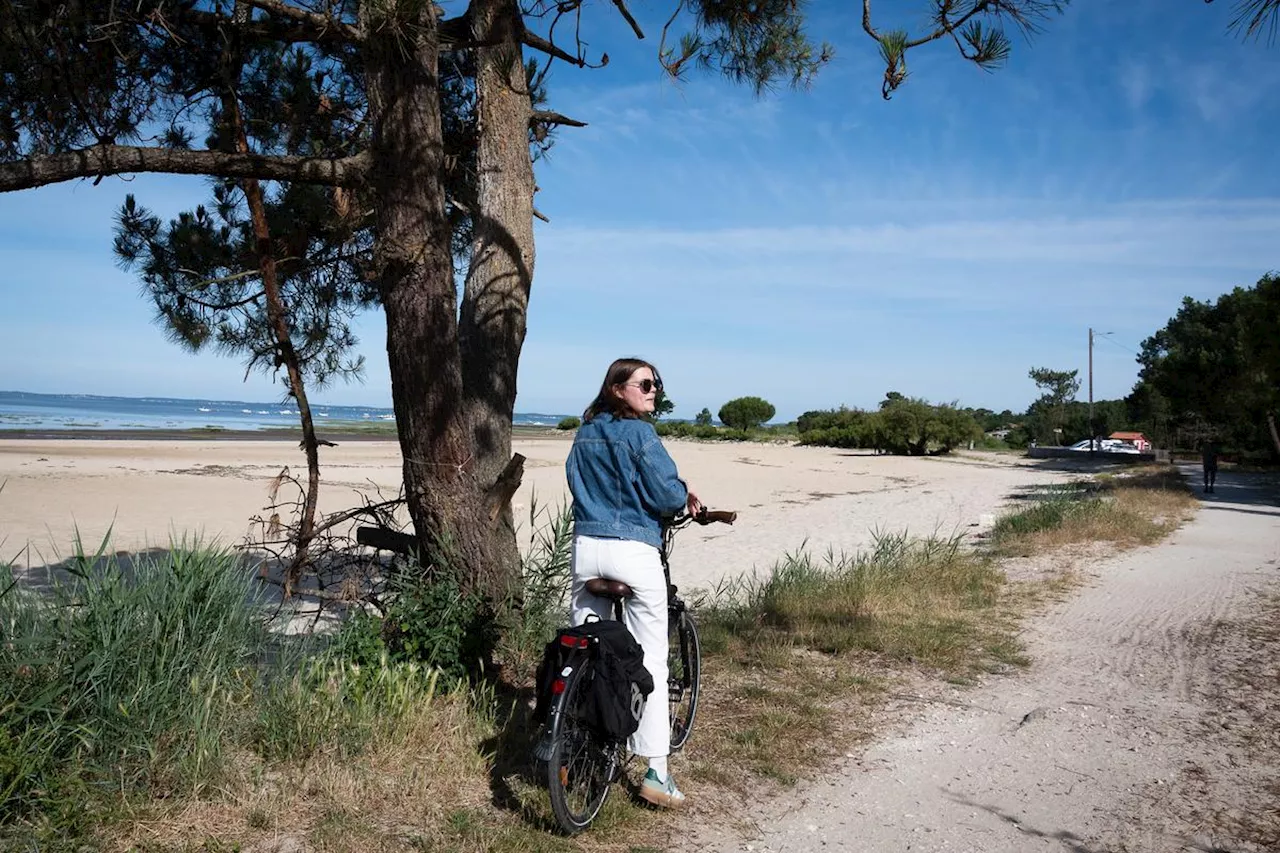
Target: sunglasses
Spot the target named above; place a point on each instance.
(646, 385)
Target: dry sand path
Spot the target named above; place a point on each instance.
(1101, 746)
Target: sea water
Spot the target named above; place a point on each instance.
(20, 410)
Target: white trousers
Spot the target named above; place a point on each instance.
(640, 567)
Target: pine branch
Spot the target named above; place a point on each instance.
(549, 117)
(267, 29)
(626, 16)
(99, 161)
(986, 47)
(321, 23)
(538, 43)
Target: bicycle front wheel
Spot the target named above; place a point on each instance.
(580, 768)
(685, 671)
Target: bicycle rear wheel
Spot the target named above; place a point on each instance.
(581, 766)
(685, 671)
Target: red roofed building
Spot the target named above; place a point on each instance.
(1137, 439)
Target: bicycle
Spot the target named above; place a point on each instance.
(581, 763)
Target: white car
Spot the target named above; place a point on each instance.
(1109, 445)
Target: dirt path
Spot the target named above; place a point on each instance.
(1119, 738)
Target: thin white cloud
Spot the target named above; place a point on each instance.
(1136, 82)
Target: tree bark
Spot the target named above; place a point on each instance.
(1275, 435)
(496, 292)
(415, 277)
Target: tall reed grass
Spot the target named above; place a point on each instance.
(120, 676)
(544, 604)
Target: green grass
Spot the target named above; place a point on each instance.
(1046, 515)
(793, 659)
(905, 599)
(1139, 507)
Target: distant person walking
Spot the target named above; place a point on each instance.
(1209, 461)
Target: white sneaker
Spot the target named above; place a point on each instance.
(661, 793)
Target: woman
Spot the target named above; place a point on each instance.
(623, 482)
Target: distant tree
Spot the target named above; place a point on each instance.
(900, 427)
(662, 405)
(1150, 413)
(703, 418)
(1060, 388)
(842, 427)
(952, 427)
(891, 398)
(1217, 367)
(746, 412)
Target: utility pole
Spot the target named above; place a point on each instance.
(1092, 432)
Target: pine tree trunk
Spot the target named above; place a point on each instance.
(277, 312)
(496, 293)
(415, 276)
(1275, 435)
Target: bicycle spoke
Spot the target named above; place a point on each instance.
(581, 768)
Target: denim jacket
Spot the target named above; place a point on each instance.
(623, 480)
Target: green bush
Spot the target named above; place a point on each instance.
(841, 418)
(846, 437)
(703, 418)
(903, 425)
(569, 423)
(429, 621)
(746, 413)
(705, 433)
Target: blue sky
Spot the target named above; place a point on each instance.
(815, 248)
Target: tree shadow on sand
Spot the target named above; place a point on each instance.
(1069, 840)
(319, 603)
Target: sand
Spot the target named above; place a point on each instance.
(143, 492)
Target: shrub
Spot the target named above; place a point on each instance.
(430, 621)
(846, 437)
(746, 413)
(841, 418)
(706, 433)
(903, 425)
(569, 423)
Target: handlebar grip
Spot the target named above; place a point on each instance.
(724, 516)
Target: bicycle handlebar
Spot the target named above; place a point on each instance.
(724, 516)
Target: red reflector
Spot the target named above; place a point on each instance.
(574, 642)
(557, 687)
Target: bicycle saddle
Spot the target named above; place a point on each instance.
(609, 588)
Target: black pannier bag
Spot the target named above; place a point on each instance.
(619, 686)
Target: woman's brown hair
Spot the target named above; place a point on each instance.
(607, 401)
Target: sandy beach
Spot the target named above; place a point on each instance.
(145, 491)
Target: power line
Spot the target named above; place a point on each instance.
(1106, 337)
